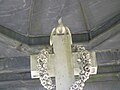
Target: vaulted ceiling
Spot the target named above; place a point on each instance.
(25, 27)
